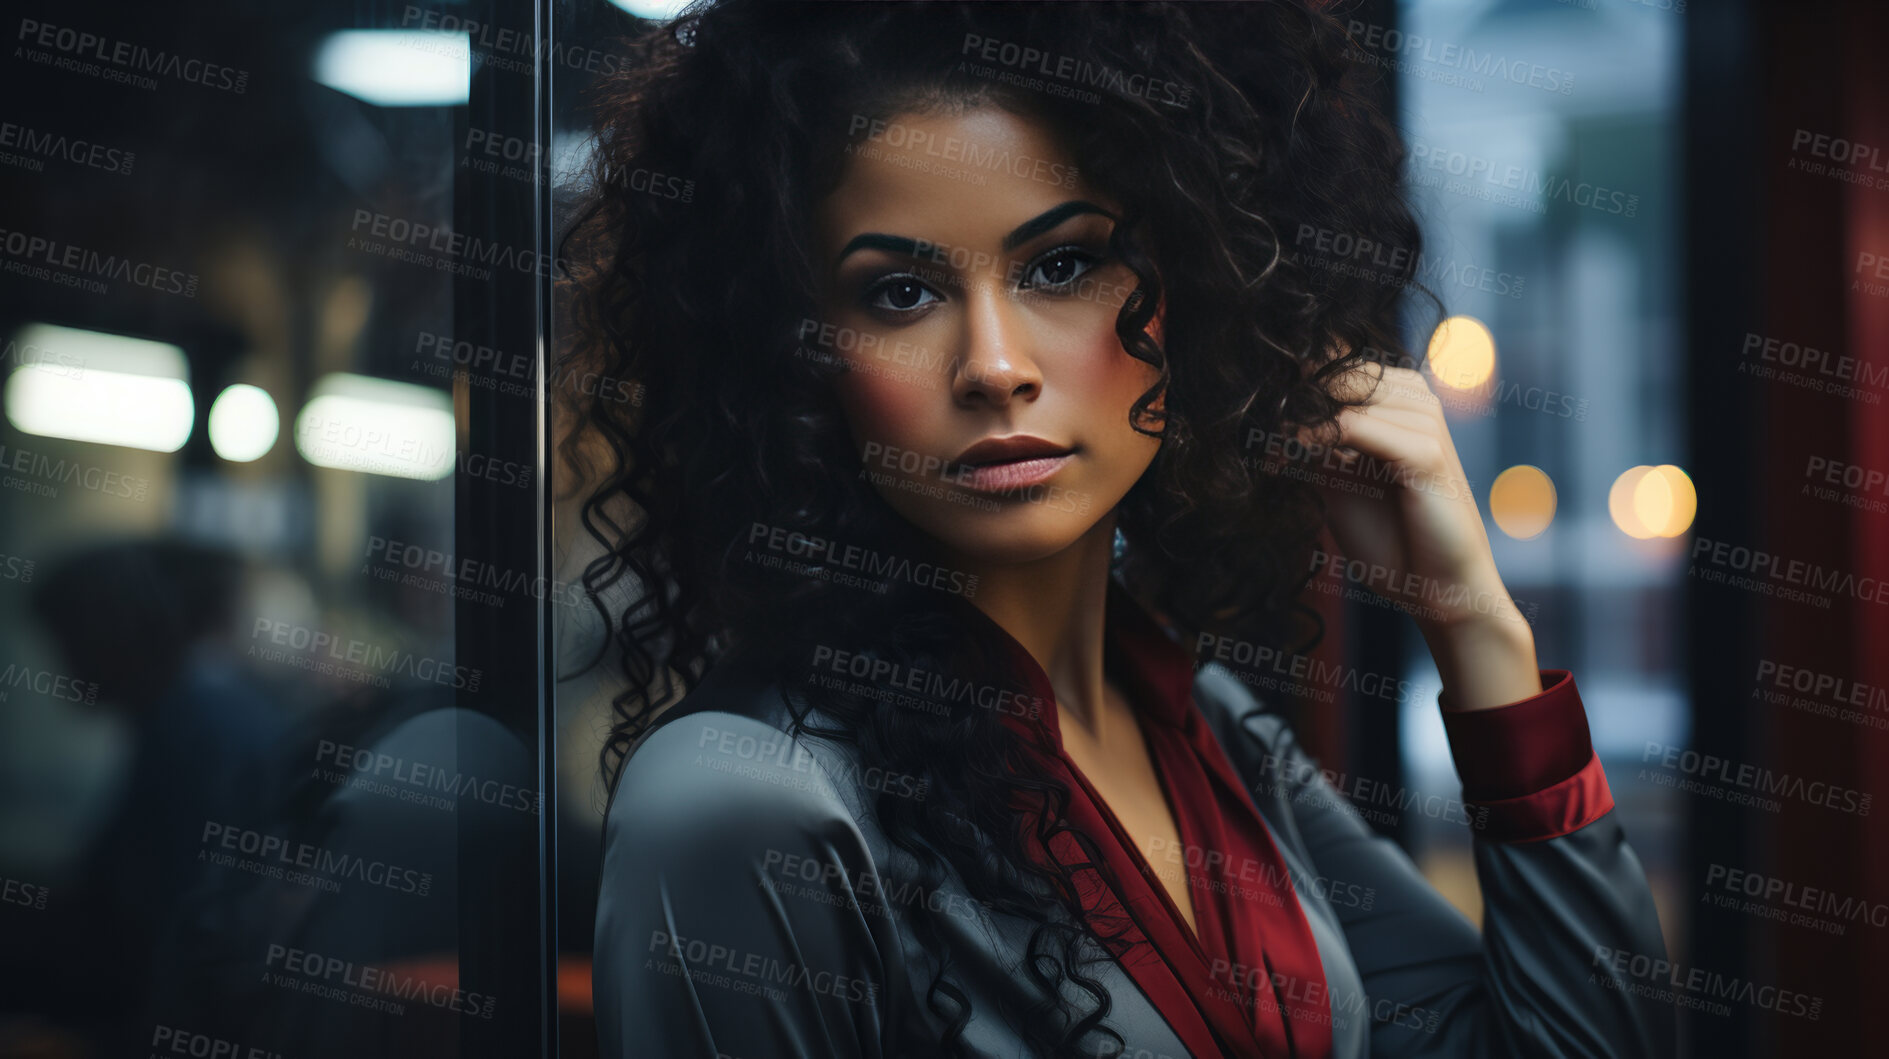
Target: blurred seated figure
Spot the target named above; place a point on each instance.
(142, 622)
(281, 873)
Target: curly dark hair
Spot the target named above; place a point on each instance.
(725, 129)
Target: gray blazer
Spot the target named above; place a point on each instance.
(748, 910)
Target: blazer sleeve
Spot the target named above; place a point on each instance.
(1565, 900)
(729, 917)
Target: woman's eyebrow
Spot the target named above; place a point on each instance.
(1050, 218)
(1030, 229)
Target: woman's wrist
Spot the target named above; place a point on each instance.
(1485, 662)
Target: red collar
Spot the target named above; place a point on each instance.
(1175, 974)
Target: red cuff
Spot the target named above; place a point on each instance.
(1529, 770)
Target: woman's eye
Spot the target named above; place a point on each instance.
(899, 294)
(1059, 268)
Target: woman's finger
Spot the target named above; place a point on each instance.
(1408, 389)
(1389, 442)
(1415, 419)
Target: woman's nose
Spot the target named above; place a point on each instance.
(995, 364)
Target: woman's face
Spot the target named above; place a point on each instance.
(968, 287)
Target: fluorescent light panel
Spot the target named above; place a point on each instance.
(98, 387)
(658, 10)
(377, 426)
(397, 67)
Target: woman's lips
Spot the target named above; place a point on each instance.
(1011, 474)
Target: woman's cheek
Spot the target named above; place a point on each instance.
(1117, 377)
(881, 409)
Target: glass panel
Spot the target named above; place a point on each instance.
(270, 500)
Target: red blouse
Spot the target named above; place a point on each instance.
(1251, 982)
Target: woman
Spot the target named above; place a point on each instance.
(974, 346)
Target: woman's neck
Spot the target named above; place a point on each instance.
(1054, 607)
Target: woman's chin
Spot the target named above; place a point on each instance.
(1011, 536)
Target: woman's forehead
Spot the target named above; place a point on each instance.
(976, 173)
